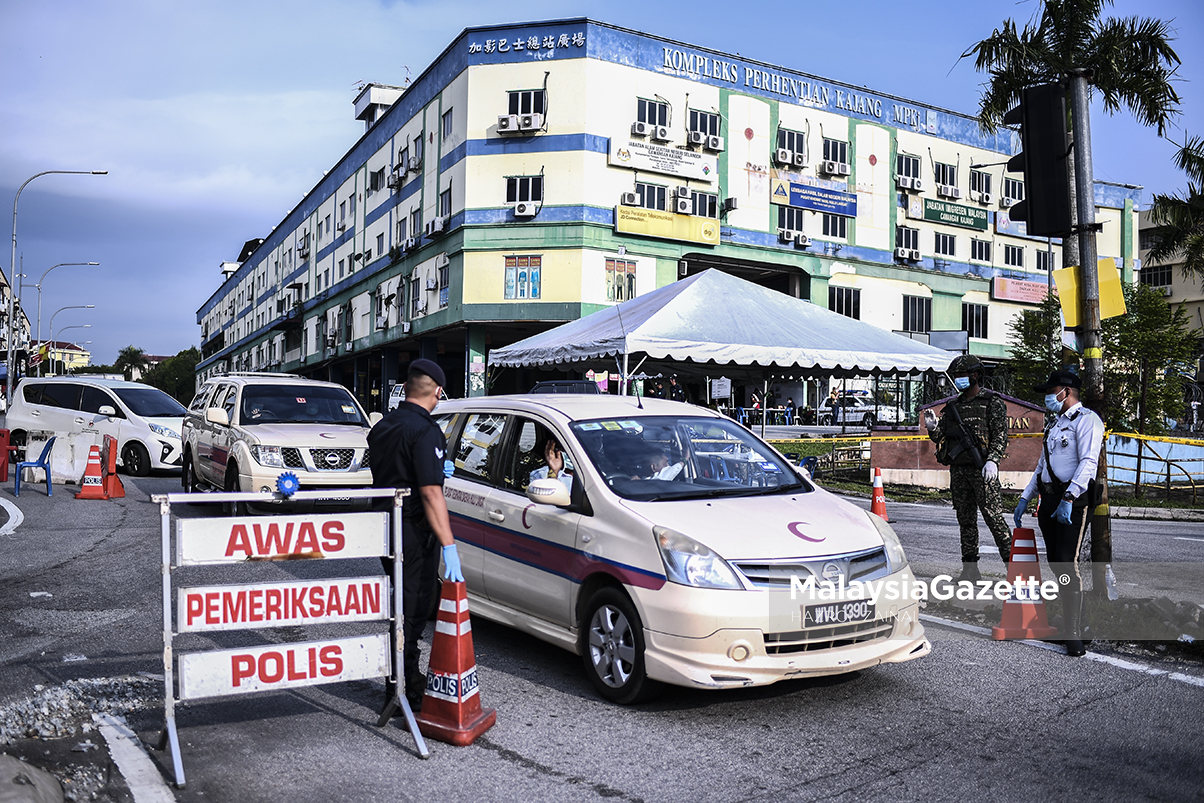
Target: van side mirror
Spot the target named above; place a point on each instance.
(107, 409)
(217, 415)
(374, 419)
(549, 492)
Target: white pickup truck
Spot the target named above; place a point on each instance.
(858, 410)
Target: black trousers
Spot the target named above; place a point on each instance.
(420, 573)
(1063, 542)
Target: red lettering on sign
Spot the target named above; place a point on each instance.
(277, 673)
(334, 605)
(316, 601)
(370, 593)
(241, 667)
(256, 606)
(239, 541)
(332, 536)
(271, 604)
(234, 606)
(352, 605)
(313, 662)
(332, 662)
(293, 674)
(307, 541)
(211, 600)
(296, 602)
(194, 606)
(273, 543)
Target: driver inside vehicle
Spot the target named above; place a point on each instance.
(558, 465)
(660, 467)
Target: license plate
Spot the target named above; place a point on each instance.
(838, 613)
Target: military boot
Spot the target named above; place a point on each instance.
(1072, 617)
(970, 572)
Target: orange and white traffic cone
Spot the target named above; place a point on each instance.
(93, 484)
(878, 502)
(1024, 612)
(451, 709)
(112, 483)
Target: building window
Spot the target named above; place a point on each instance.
(445, 283)
(652, 112)
(526, 101)
(974, 320)
(946, 174)
(917, 313)
(704, 122)
(836, 150)
(380, 244)
(1156, 275)
(1013, 256)
(1044, 258)
(1014, 189)
(793, 141)
(944, 244)
(325, 275)
(980, 250)
(907, 165)
(522, 276)
(416, 222)
(445, 203)
(415, 293)
(651, 196)
(447, 123)
(790, 218)
(403, 160)
(401, 231)
(376, 180)
(340, 269)
(845, 301)
(328, 225)
(705, 204)
(342, 211)
(524, 188)
(907, 238)
(620, 280)
(836, 226)
(351, 207)
(980, 181)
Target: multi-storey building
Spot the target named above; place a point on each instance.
(1168, 277)
(535, 173)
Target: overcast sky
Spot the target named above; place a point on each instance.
(215, 118)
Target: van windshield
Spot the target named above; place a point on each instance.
(298, 404)
(654, 458)
(150, 402)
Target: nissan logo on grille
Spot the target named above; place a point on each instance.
(332, 458)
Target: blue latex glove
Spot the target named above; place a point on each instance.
(1062, 514)
(449, 468)
(1021, 506)
(451, 564)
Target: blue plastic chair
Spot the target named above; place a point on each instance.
(42, 462)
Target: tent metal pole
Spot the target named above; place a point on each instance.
(625, 375)
(764, 403)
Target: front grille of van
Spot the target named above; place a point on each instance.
(827, 638)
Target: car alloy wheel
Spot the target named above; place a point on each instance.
(613, 649)
(135, 459)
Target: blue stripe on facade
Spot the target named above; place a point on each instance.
(547, 214)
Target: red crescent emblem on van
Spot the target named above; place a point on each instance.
(793, 528)
(525, 525)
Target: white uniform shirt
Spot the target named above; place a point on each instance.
(1074, 441)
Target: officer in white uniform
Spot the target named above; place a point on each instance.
(1065, 476)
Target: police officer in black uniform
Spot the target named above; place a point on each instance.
(408, 451)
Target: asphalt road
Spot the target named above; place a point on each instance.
(976, 719)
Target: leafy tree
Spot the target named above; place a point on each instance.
(1035, 347)
(176, 376)
(1180, 218)
(1142, 354)
(129, 359)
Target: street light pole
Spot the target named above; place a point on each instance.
(75, 326)
(39, 286)
(60, 309)
(12, 269)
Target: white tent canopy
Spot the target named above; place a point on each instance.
(714, 322)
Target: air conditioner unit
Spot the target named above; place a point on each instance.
(901, 253)
(904, 182)
(729, 204)
(435, 226)
(843, 169)
(783, 156)
(432, 283)
(1006, 202)
(948, 191)
(382, 321)
(303, 252)
(683, 206)
(785, 235)
(331, 341)
(393, 181)
(697, 138)
(530, 122)
(660, 133)
(405, 327)
(1166, 291)
(524, 209)
(410, 243)
(917, 184)
(831, 167)
(800, 159)
(421, 306)
(714, 143)
(914, 255)
(640, 129)
(507, 123)
(342, 225)
(975, 195)
(802, 240)
(415, 164)
(681, 191)
(630, 199)
(984, 198)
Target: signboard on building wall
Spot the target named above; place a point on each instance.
(968, 217)
(817, 199)
(667, 225)
(1019, 291)
(670, 161)
(1016, 228)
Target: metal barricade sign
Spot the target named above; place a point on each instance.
(235, 542)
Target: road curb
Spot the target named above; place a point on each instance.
(1157, 513)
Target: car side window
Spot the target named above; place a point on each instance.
(229, 403)
(476, 451)
(61, 394)
(94, 398)
(33, 392)
(526, 458)
(198, 401)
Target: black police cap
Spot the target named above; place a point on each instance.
(1064, 379)
(430, 368)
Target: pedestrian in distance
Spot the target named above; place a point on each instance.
(1065, 476)
(676, 392)
(971, 436)
(409, 451)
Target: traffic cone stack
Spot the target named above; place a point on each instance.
(878, 502)
(112, 483)
(451, 709)
(93, 484)
(1024, 615)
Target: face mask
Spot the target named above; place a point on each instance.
(1052, 404)
(961, 382)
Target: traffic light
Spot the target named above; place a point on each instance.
(1043, 160)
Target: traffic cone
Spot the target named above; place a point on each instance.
(112, 483)
(878, 502)
(451, 710)
(93, 484)
(1024, 615)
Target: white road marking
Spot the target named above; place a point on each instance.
(15, 517)
(141, 775)
(1176, 537)
(1119, 663)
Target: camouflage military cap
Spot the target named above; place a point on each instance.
(965, 364)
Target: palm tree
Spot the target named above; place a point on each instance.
(1181, 217)
(130, 358)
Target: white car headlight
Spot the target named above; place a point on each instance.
(896, 559)
(164, 431)
(691, 564)
(268, 456)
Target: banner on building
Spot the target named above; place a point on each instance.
(814, 198)
(648, 156)
(1020, 291)
(968, 217)
(666, 225)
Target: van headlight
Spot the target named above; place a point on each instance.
(691, 564)
(268, 456)
(164, 431)
(896, 559)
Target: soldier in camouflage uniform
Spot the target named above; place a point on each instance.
(973, 474)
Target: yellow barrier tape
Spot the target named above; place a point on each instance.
(886, 438)
(1159, 438)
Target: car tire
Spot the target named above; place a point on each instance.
(612, 648)
(231, 485)
(17, 438)
(135, 459)
(825, 420)
(868, 420)
(188, 476)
